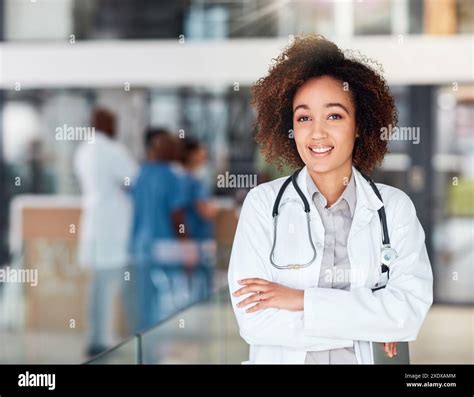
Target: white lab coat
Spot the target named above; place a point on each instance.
(105, 170)
(331, 318)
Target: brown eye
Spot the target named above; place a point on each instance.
(303, 118)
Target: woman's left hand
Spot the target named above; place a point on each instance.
(266, 294)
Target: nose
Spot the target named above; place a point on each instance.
(319, 131)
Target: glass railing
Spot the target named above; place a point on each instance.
(204, 333)
(127, 352)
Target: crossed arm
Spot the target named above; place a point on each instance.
(262, 306)
(265, 294)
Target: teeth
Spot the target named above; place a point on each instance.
(321, 149)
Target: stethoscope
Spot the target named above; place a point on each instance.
(388, 254)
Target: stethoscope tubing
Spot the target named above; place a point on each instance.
(275, 213)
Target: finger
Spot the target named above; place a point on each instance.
(391, 349)
(260, 281)
(253, 298)
(257, 307)
(251, 288)
(387, 349)
(394, 346)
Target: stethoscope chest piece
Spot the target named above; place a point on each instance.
(388, 255)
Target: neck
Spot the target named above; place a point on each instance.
(331, 184)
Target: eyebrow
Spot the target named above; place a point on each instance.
(327, 105)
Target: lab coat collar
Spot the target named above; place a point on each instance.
(366, 197)
(348, 195)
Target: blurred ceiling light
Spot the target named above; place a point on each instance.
(264, 12)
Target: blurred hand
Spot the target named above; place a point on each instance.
(207, 209)
(190, 254)
(390, 349)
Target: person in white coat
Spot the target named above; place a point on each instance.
(325, 112)
(105, 171)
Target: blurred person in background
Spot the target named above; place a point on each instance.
(104, 169)
(158, 202)
(200, 213)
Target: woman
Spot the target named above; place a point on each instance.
(322, 111)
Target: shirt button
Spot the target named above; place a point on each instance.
(319, 245)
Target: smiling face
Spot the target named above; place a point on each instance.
(324, 125)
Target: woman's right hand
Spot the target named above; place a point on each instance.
(390, 349)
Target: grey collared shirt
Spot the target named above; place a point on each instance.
(335, 266)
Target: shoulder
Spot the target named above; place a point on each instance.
(393, 196)
(262, 196)
(267, 189)
(175, 173)
(83, 150)
(399, 206)
(117, 148)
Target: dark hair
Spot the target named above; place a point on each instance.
(189, 145)
(103, 120)
(313, 56)
(151, 133)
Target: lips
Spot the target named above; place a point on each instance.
(320, 150)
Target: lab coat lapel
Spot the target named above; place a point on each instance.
(366, 207)
(301, 180)
(360, 243)
(359, 234)
(308, 277)
(367, 204)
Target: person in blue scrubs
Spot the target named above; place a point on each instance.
(158, 201)
(200, 212)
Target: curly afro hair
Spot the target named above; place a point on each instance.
(311, 56)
